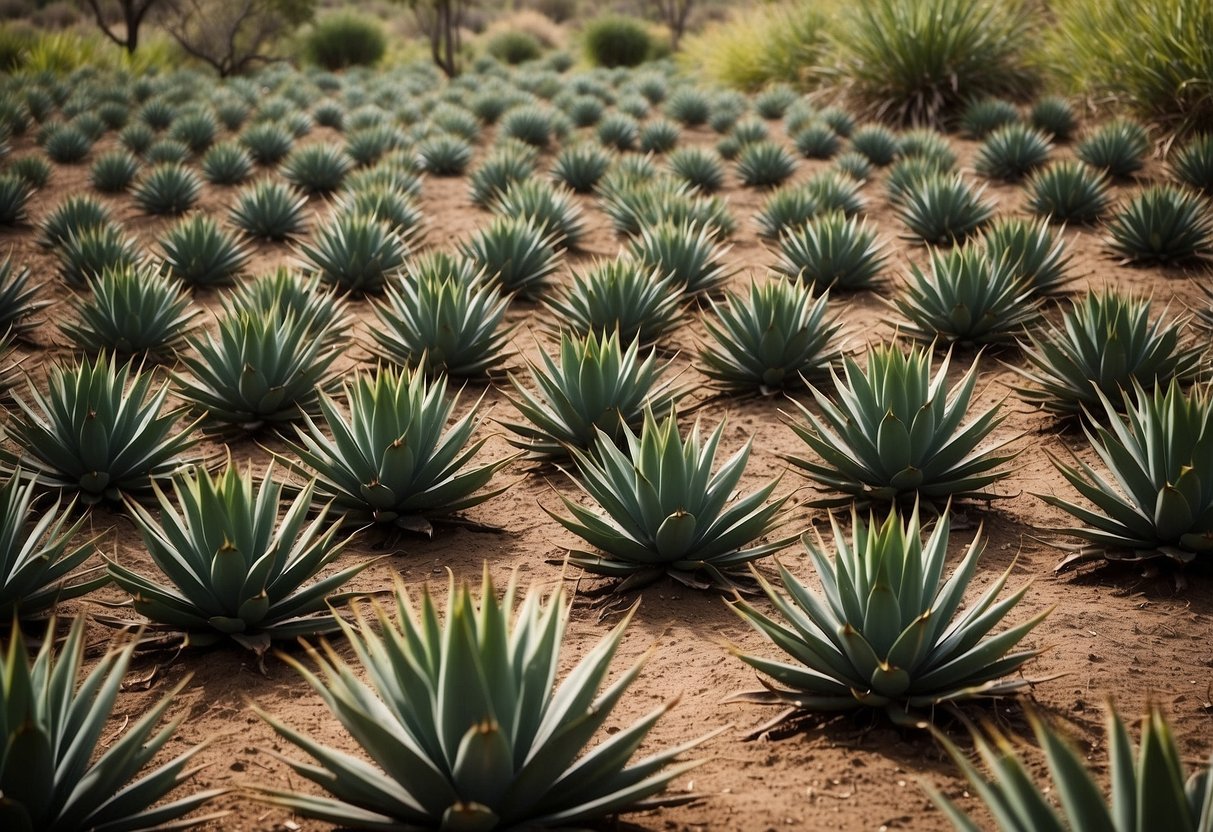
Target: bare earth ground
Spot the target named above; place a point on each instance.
(1112, 633)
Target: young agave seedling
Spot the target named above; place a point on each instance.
(1035, 252)
(389, 460)
(526, 734)
(686, 252)
(1160, 499)
(516, 253)
(1163, 224)
(1149, 792)
(595, 385)
(832, 251)
(771, 341)
(887, 631)
(894, 433)
(18, 300)
(136, 311)
(235, 570)
(284, 293)
(357, 253)
(621, 296)
(62, 770)
(200, 253)
(944, 209)
(259, 369)
(1104, 343)
(967, 298)
(666, 512)
(98, 430)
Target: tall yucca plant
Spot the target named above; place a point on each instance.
(394, 459)
(894, 432)
(886, 630)
(37, 561)
(51, 730)
(667, 513)
(1159, 500)
(594, 384)
(99, 430)
(507, 752)
(1149, 788)
(236, 571)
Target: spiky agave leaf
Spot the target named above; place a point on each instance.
(1149, 792)
(894, 432)
(443, 323)
(595, 384)
(1163, 224)
(764, 164)
(393, 458)
(581, 166)
(832, 251)
(38, 567)
(699, 167)
(621, 296)
(495, 175)
(786, 210)
(1105, 342)
(887, 630)
(688, 253)
(357, 253)
(516, 253)
(258, 369)
(508, 752)
(1159, 500)
(1068, 191)
(316, 168)
(99, 429)
(384, 203)
(634, 206)
(966, 298)
(235, 571)
(137, 311)
(51, 729)
(1035, 252)
(771, 341)
(227, 163)
(18, 300)
(666, 512)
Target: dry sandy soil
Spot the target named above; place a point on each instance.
(1113, 633)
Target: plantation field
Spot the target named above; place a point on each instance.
(1131, 633)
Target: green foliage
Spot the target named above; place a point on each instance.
(620, 295)
(357, 253)
(689, 106)
(580, 167)
(918, 61)
(1054, 116)
(270, 210)
(553, 208)
(359, 463)
(76, 214)
(770, 341)
(1012, 152)
(67, 144)
(1033, 251)
(235, 570)
(98, 429)
(659, 136)
(166, 151)
(34, 171)
(516, 253)
(284, 293)
(614, 41)
(764, 164)
(268, 142)
(444, 155)
(1068, 192)
(113, 172)
(698, 167)
(982, 116)
(944, 209)
(817, 141)
(226, 163)
(73, 774)
(893, 433)
(666, 511)
(131, 312)
(94, 251)
(831, 251)
(887, 631)
(18, 300)
(514, 47)
(687, 253)
(167, 189)
(531, 123)
(196, 130)
(316, 168)
(1163, 224)
(636, 205)
(877, 143)
(342, 40)
(618, 131)
(495, 175)
(15, 194)
(527, 734)
(1117, 147)
(199, 253)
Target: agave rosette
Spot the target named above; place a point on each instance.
(887, 630)
(508, 752)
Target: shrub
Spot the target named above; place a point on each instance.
(130, 312)
(1012, 152)
(167, 189)
(879, 144)
(698, 167)
(689, 106)
(618, 131)
(343, 40)
(1054, 115)
(1068, 192)
(614, 40)
(581, 166)
(916, 61)
(514, 47)
(1117, 147)
(983, 116)
(114, 171)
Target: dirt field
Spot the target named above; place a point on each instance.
(1113, 633)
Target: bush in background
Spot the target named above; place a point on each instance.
(513, 47)
(344, 40)
(615, 40)
(918, 61)
(1154, 56)
(759, 46)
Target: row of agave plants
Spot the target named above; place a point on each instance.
(887, 631)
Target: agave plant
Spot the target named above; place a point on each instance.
(764, 164)
(1105, 342)
(268, 142)
(1156, 502)
(51, 730)
(618, 131)
(74, 215)
(1033, 250)
(167, 189)
(687, 253)
(227, 163)
(316, 168)
(166, 151)
(634, 206)
(1192, 163)
(516, 253)
(113, 172)
(38, 566)
(15, 193)
(580, 167)
(854, 166)
(786, 210)
(495, 175)
(877, 143)
(698, 167)
(259, 369)
(527, 734)
(659, 136)
(1117, 147)
(621, 296)
(1068, 192)
(443, 324)
(666, 512)
(967, 298)
(552, 208)
(771, 341)
(906, 176)
(1012, 152)
(236, 571)
(944, 209)
(1163, 224)
(200, 253)
(886, 630)
(595, 384)
(832, 251)
(270, 210)
(1150, 792)
(444, 155)
(385, 204)
(390, 460)
(357, 253)
(817, 140)
(832, 191)
(18, 300)
(982, 117)
(1055, 116)
(894, 433)
(66, 144)
(284, 293)
(131, 312)
(99, 429)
